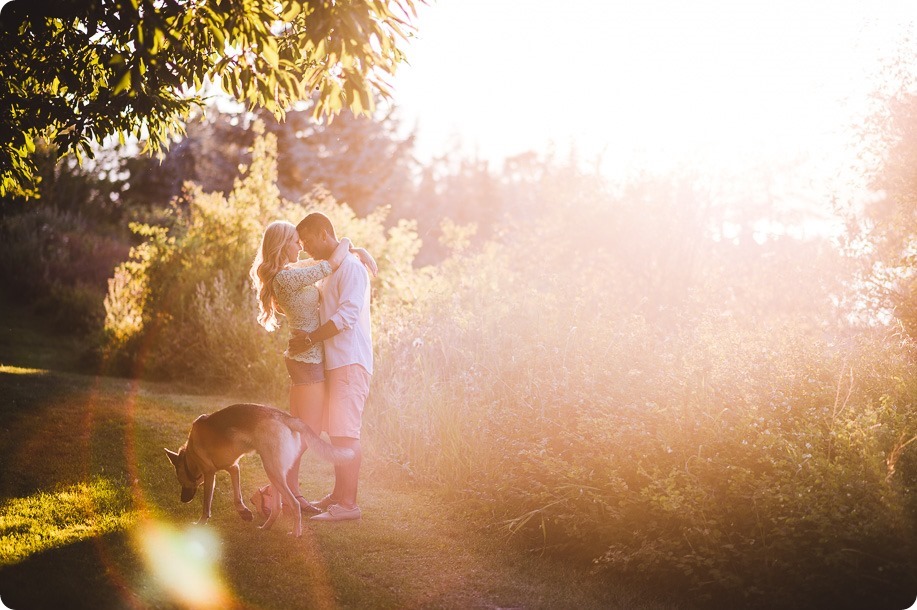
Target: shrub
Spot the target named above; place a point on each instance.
(731, 443)
(52, 261)
(182, 308)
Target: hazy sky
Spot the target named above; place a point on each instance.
(650, 80)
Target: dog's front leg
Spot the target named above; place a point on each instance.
(234, 472)
(209, 481)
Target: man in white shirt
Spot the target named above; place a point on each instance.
(347, 337)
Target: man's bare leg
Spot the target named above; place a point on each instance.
(347, 475)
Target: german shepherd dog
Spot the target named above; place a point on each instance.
(217, 442)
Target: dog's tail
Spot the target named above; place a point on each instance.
(324, 449)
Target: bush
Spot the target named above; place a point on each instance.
(182, 307)
(721, 431)
(51, 261)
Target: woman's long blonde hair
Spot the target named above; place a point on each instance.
(268, 261)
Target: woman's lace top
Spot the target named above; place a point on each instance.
(295, 291)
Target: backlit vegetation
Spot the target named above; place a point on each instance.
(638, 378)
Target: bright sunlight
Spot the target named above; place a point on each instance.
(48, 520)
(648, 84)
(19, 370)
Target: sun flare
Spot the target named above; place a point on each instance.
(185, 563)
(649, 83)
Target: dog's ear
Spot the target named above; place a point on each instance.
(173, 457)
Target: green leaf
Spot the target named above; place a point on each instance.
(292, 12)
(124, 82)
(269, 52)
(159, 40)
(219, 35)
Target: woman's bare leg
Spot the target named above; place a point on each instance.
(306, 403)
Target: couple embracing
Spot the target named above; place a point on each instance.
(329, 357)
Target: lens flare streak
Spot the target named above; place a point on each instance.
(185, 563)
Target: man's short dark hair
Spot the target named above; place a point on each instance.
(314, 223)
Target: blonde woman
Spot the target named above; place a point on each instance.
(286, 286)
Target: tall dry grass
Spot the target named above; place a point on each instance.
(644, 396)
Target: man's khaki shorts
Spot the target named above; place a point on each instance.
(346, 388)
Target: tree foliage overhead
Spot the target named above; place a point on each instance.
(77, 71)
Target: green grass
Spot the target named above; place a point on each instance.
(49, 520)
(90, 518)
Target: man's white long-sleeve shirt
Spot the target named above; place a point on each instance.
(345, 301)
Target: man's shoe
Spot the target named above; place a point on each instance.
(336, 512)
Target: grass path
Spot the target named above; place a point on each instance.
(90, 517)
